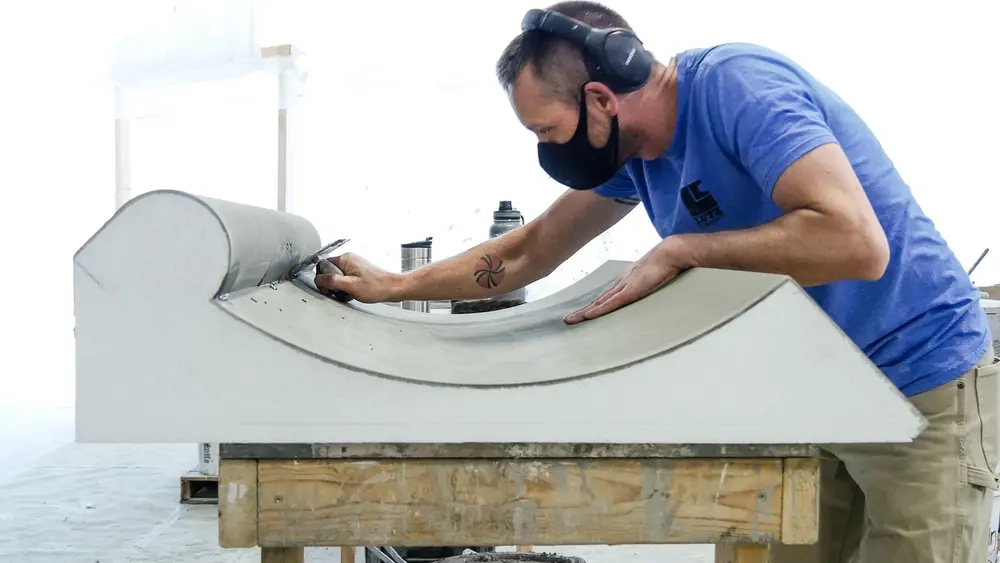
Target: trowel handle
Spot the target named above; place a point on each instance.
(327, 267)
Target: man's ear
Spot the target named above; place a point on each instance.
(606, 100)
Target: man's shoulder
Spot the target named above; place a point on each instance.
(734, 60)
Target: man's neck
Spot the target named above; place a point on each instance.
(661, 108)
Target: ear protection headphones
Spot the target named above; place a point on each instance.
(614, 56)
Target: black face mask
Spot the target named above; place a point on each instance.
(576, 163)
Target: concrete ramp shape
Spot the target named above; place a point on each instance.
(187, 330)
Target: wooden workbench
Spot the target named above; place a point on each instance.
(285, 497)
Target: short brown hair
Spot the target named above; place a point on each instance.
(557, 63)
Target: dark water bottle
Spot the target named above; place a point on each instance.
(506, 219)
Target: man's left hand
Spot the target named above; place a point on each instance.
(651, 272)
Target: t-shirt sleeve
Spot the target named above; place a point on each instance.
(620, 186)
(762, 114)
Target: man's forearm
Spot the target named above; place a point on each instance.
(810, 247)
(494, 267)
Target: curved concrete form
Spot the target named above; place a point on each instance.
(188, 331)
(510, 347)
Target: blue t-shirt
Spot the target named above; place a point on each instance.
(745, 113)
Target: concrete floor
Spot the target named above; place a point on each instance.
(62, 502)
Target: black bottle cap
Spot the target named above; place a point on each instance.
(426, 243)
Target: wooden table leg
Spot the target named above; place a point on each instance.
(282, 555)
(347, 554)
(742, 553)
(523, 548)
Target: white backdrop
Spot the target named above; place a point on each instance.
(405, 133)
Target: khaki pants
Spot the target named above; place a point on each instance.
(924, 502)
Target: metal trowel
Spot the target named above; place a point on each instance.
(303, 272)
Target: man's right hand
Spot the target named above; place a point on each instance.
(363, 280)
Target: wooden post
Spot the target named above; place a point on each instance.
(290, 85)
(282, 201)
(238, 503)
(123, 161)
(282, 555)
(742, 553)
(800, 501)
(123, 148)
(799, 514)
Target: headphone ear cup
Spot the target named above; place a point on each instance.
(626, 60)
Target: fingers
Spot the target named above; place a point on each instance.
(344, 278)
(612, 303)
(330, 274)
(339, 261)
(635, 289)
(328, 267)
(582, 314)
(336, 282)
(610, 292)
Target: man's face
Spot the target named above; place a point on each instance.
(553, 120)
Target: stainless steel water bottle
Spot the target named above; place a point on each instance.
(415, 255)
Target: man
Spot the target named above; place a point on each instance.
(743, 160)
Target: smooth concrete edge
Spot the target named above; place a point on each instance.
(239, 232)
(129, 204)
(234, 307)
(884, 379)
